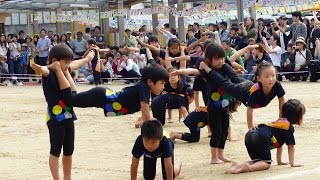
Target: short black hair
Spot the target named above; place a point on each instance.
(152, 129)
(115, 48)
(92, 41)
(235, 28)
(14, 35)
(21, 32)
(88, 30)
(197, 24)
(214, 50)
(98, 27)
(293, 110)
(262, 66)
(154, 72)
(124, 53)
(152, 38)
(191, 30)
(173, 41)
(43, 30)
(227, 42)
(261, 19)
(109, 55)
(224, 23)
(60, 51)
(166, 25)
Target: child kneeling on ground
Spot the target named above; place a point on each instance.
(152, 145)
(260, 140)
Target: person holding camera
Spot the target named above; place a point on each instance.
(247, 31)
(297, 28)
(14, 61)
(284, 37)
(300, 60)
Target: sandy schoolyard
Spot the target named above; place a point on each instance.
(103, 145)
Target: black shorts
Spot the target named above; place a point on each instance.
(61, 135)
(257, 147)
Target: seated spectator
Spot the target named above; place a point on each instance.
(129, 40)
(191, 37)
(249, 62)
(107, 71)
(129, 68)
(234, 37)
(300, 60)
(4, 70)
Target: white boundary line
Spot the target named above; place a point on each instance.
(295, 174)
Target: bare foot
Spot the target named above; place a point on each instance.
(233, 166)
(225, 160)
(173, 135)
(209, 134)
(216, 161)
(138, 122)
(243, 168)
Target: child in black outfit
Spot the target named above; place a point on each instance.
(130, 99)
(262, 139)
(60, 114)
(152, 145)
(197, 120)
(96, 63)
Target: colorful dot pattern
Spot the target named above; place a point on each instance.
(220, 98)
(60, 112)
(113, 107)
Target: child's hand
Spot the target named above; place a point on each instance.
(37, 68)
(296, 165)
(90, 55)
(203, 38)
(203, 65)
(197, 109)
(55, 66)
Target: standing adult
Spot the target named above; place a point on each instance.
(98, 37)
(21, 38)
(79, 45)
(42, 48)
(297, 28)
(87, 35)
(247, 31)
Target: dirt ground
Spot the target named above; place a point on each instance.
(103, 145)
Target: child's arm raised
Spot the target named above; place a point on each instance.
(134, 168)
(74, 65)
(241, 52)
(43, 70)
(104, 50)
(291, 156)
(188, 71)
(169, 168)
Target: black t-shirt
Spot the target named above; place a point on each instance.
(277, 133)
(179, 90)
(234, 41)
(165, 149)
(127, 101)
(59, 101)
(21, 41)
(265, 57)
(155, 56)
(258, 99)
(94, 61)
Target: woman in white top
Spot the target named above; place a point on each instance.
(274, 51)
(300, 60)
